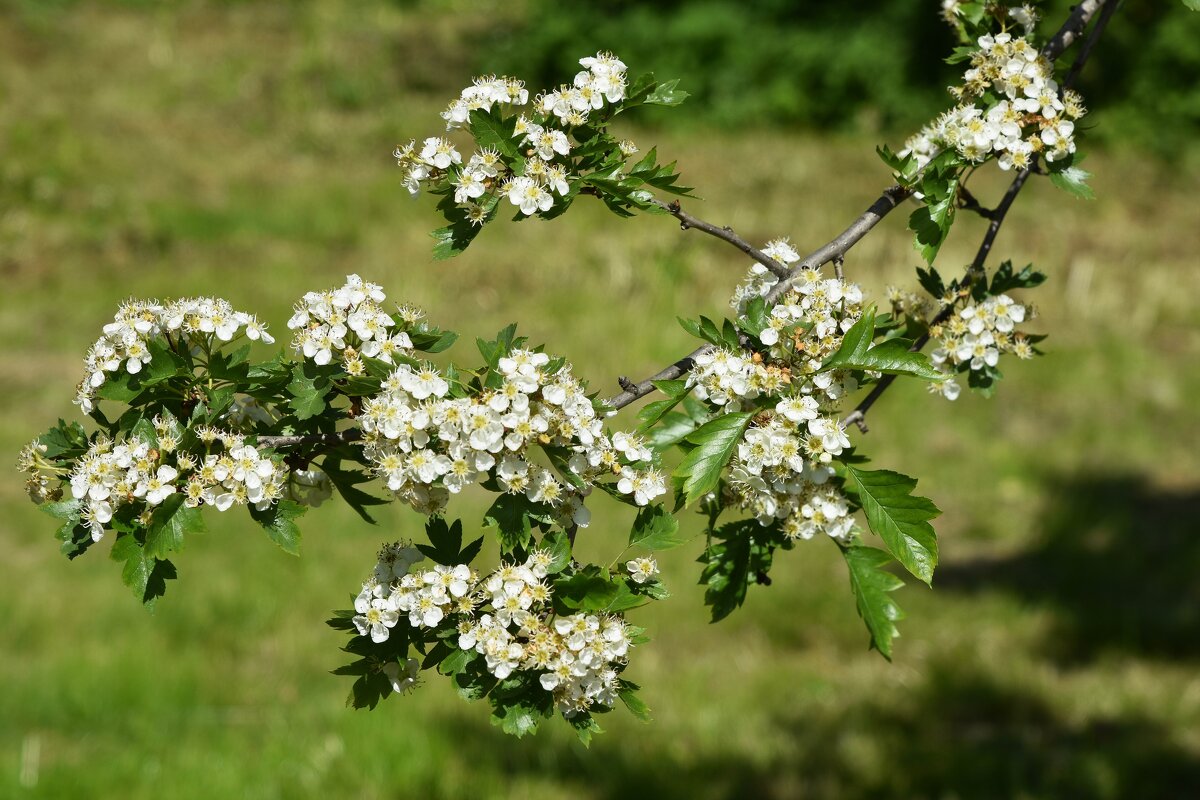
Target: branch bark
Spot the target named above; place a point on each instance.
(724, 233)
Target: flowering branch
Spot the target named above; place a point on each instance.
(358, 402)
(1065, 37)
(888, 200)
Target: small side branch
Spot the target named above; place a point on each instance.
(724, 233)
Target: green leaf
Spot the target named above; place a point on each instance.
(586, 590)
(585, 726)
(898, 517)
(931, 282)
(346, 481)
(756, 319)
(871, 585)
(499, 347)
(164, 363)
(558, 544)
(1074, 180)
(64, 440)
(715, 443)
(651, 413)
(456, 237)
(510, 516)
(628, 695)
(121, 387)
(655, 529)
(1004, 279)
(432, 341)
(277, 522)
(308, 389)
(726, 573)
(168, 524)
(490, 129)
(890, 356)
(517, 719)
(675, 426)
(665, 94)
(145, 575)
(445, 541)
(1193, 5)
(904, 167)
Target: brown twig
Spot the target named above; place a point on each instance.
(724, 233)
(328, 439)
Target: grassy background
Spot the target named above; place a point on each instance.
(242, 150)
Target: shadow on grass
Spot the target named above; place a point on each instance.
(959, 734)
(1118, 561)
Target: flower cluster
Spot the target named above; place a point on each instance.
(41, 485)
(781, 472)
(506, 617)
(238, 476)
(976, 336)
(482, 95)
(602, 80)
(1024, 15)
(1032, 115)
(427, 443)
(141, 472)
(480, 182)
(348, 322)
(187, 323)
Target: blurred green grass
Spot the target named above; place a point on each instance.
(243, 150)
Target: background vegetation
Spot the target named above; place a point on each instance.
(242, 149)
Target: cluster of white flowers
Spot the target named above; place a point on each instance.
(426, 443)
(112, 474)
(603, 79)
(41, 485)
(485, 178)
(187, 323)
(1024, 15)
(979, 333)
(505, 617)
(348, 322)
(780, 471)
(1031, 117)
(482, 95)
(239, 476)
